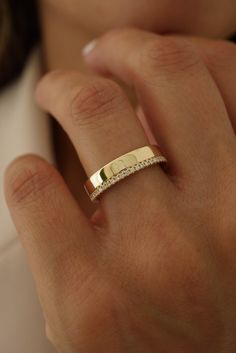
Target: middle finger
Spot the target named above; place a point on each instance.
(177, 94)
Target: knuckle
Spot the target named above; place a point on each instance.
(221, 54)
(168, 55)
(192, 278)
(30, 181)
(96, 100)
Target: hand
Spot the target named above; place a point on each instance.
(155, 271)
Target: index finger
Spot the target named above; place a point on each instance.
(55, 233)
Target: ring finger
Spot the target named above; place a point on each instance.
(102, 125)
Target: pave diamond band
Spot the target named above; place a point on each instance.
(121, 168)
(125, 173)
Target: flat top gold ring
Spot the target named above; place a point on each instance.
(123, 166)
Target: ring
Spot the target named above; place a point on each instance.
(121, 168)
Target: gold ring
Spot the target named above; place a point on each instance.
(121, 168)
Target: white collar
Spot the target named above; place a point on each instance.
(24, 129)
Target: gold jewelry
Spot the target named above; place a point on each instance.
(122, 167)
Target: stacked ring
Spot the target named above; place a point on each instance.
(121, 168)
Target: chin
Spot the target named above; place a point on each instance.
(163, 20)
(211, 18)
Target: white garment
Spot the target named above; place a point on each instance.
(23, 129)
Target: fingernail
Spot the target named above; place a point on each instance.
(89, 47)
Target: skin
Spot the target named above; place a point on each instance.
(71, 24)
(154, 269)
(204, 17)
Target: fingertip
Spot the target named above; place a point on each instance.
(20, 177)
(16, 164)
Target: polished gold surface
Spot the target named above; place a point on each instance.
(122, 167)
